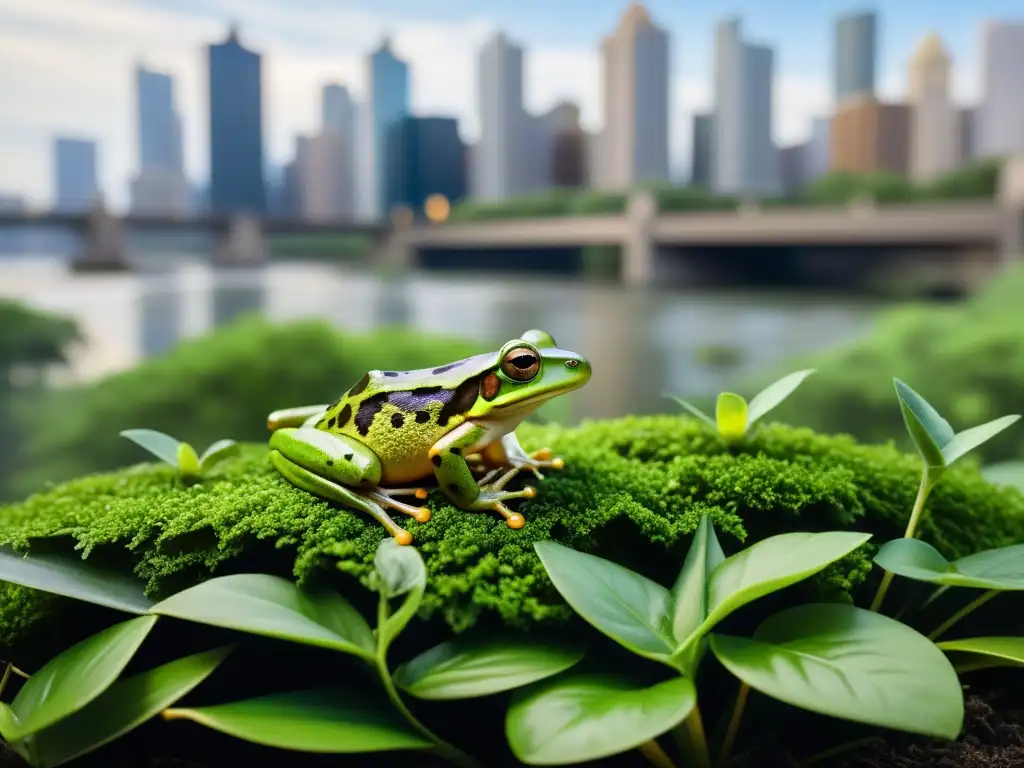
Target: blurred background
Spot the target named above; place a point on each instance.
(213, 208)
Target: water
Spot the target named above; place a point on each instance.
(641, 344)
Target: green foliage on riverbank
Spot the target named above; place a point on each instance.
(968, 358)
(633, 490)
(221, 385)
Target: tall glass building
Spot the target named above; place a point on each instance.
(387, 105)
(856, 46)
(76, 188)
(236, 128)
(159, 125)
(425, 157)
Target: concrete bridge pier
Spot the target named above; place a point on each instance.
(639, 251)
(103, 249)
(243, 244)
(1011, 202)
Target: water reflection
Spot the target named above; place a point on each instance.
(641, 344)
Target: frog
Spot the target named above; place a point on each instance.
(392, 431)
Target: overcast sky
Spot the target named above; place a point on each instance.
(66, 66)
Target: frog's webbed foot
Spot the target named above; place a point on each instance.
(493, 495)
(385, 497)
(531, 462)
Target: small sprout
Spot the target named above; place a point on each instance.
(933, 436)
(734, 416)
(180, 455)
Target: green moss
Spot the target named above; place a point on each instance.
(628, 483)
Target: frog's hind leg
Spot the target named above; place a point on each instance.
(326, 489)
(303, 416)
(385, 497)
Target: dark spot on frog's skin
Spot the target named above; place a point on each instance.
(360, 385)
(436, 459)
(422, 417)
(390, 373)
(490, 386)
(463, 399)
(455, 450)
(344, 416)
(348, 456)
(330, 462)
(368, 409)
(330, 422)
(397, 420)
(409, 400)
(454, 489)
(446, 368)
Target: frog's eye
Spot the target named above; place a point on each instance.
(520, 364)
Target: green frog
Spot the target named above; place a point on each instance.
(396, 428)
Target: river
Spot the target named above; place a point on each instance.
(641, 344)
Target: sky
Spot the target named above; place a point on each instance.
(67, 66)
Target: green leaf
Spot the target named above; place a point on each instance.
(970, 439)
(993, 651)
(694, 410)
(773, 564)
(627, 607)
(849, 663)
(323, 720)
(929, 431)
(465, 669)
(689, 598)
(188, 460)
(266, 605)
(160, 445)
(72, 679)
(123, 707)
(731, 416)
(1001, 568)
(75, 578)
(1005, 473)
(217, 452)
(572, 719)
(772, 395)
(400, 571)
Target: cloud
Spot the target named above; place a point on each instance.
(66, 67)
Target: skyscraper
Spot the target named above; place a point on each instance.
(499, 155)
(76, 186)
(744, 158)
(999, 121)
(337, 109)
(934, 145)
(425, 157)
(339, 144)
(387, 105)
(634, 136)
(701, 149)
(855, 51)
(868, 135)
(160, 185)
(236, 128)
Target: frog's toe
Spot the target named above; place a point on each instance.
(513, 520)
(384, 497)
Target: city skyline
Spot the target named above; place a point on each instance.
(689, 93)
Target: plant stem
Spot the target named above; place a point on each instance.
(923, 489)
(837, 750)
(971, 606)
(6, 678)
(655, 755)
(691, 738)
(734, 724)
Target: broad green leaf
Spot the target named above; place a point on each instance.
(929, 431)
(971, 438)
(400, 571)
(465, 669)
(689, 598)
(770, 397)
(571, 719)
(694, 410)
(731, 416)
(160, 445)
(123, 707)
(629, 608)
(188, 460)
(773, 564)
(849, 663)
(73, 577)
(77, 676)
(266, 605)
(8, 721)
(217, 452)
(323, 720)
(1001, 568)
(991, 651)
(1005, 473)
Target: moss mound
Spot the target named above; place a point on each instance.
(628, 483)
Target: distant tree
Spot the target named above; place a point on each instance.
(977, 180)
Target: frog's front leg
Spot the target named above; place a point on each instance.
(507, 452)
(456, 479)
(303, 416)
(343, 470)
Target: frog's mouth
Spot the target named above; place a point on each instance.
(524, 409)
